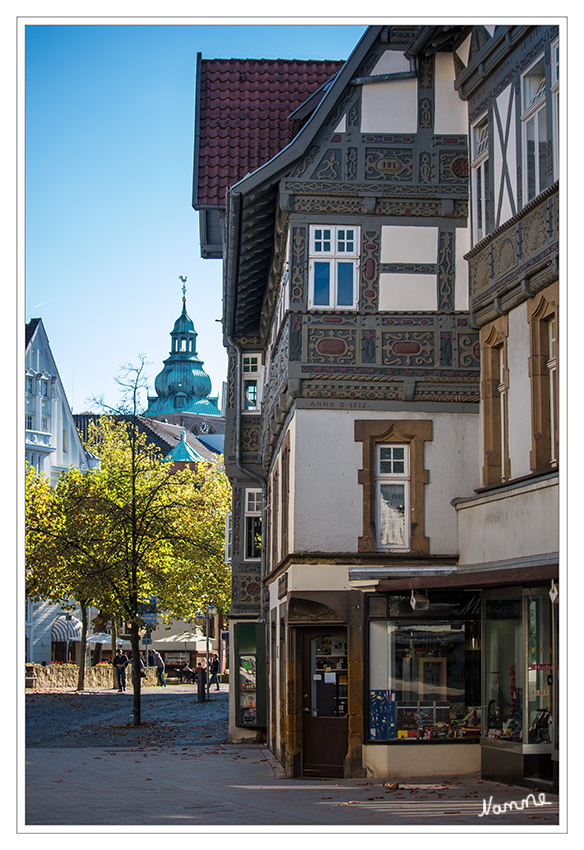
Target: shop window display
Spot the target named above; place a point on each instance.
(424, 675)
(503, 669)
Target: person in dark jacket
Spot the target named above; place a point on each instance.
(120, 663)
(215, 671)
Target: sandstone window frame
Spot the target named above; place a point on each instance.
(543, 376)
(495, 398)
(413, 433)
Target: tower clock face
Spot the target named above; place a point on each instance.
(204, 428)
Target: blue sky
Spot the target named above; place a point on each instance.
(109, 162)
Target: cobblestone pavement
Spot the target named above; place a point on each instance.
(104, 718)
(89, 769)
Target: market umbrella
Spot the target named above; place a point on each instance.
(102, 637)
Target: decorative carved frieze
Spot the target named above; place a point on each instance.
(298, 264)
(369, 294)
(389, 164)
(408, 348)
(446, 270)
(453, 166)
(331, 346)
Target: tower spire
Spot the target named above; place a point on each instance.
(184, 291)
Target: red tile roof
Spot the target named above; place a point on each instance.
(243, 116)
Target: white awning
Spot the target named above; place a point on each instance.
(66, 627)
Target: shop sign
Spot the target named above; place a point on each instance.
(541, 666)
(544, 693)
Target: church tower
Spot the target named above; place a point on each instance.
(183, 386)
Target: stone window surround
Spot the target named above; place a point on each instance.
(494, 337)
(414, 433)
(539, 312)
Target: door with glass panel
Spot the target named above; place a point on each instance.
(324, 701)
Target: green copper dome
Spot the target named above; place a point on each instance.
(183, 385)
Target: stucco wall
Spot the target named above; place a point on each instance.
(328, 509)
(510, 524)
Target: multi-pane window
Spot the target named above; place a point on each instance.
(535, 131)
(480, 178)
(333, 266)
(555, 57)
(45, 389)
(502, 391)
(392, 495)
(552, 368)
(228, 538)
(44, 423)
(250, 382)
(29, 422)
(29, 386)
(253, 525)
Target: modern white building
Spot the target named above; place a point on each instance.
(52, 445)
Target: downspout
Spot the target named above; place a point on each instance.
(232, 256)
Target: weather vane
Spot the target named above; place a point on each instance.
(184, 288)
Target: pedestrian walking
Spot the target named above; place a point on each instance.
(120, 663)
(215, 671)
(160, 667)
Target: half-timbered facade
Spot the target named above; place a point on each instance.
(511, 86)
(353, 422)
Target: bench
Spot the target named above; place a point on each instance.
(30, 678)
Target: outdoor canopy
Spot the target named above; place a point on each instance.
(66, 628)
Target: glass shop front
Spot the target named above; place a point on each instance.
(519, 734)
(424, 667)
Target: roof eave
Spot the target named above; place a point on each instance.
(263, 178)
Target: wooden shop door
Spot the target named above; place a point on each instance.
(324, 701)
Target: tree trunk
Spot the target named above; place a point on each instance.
(136, 680)
(81, 677)
(114, 647)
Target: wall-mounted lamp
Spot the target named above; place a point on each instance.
(553, 591)
(419, 601)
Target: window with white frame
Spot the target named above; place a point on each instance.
(535, 131)
(253, 525)
(44, 423)
(552, 367)
(29, 386)
(555, 57)
(45, 389)
(480, 179)
(251, 372)
(228, 538)
(28, 422)
(392, 471)
(333, 266)
(502, 392)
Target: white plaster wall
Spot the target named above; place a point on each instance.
(409, 244)
(391, 62)
(451, 112)
(519, 399)
(408, 292)
(510, 524)
(328, 508)
(462, 245)
(503, 205)
(319, 577)
(328, 500)
(450, 459)
(390, 107)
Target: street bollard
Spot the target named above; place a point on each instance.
(201, 685)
